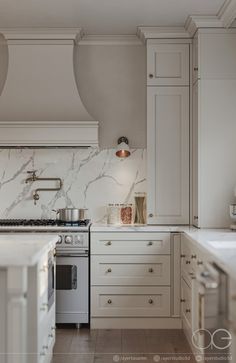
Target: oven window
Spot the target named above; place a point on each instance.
(66, 277)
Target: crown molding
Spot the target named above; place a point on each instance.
(39, 34)
(110, 40)
(194, 22)
(227, 13)
(156, 32)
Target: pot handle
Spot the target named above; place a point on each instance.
(55, 210)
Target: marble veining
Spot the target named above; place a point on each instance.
(91, 179)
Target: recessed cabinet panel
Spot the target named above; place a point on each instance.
(167, 64)
(130, 270)
(137, 301)
(168, 155)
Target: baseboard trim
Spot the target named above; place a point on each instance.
(136, 323)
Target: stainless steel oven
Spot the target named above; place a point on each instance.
(72, 279)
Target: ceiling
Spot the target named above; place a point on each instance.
(103, 16)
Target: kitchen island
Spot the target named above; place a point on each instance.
(27, 308)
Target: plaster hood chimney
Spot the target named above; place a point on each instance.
(40, 91)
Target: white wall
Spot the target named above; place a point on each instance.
(112, 86)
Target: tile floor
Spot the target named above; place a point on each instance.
(109, 346)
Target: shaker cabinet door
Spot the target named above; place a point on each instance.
(167, 64)
(168, 155)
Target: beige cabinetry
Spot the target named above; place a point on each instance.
(27, 332)
(168, 132)
(41, 316)
(134, 277)
(213, 147)
(167, 64)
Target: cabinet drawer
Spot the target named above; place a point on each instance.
(130, 270)
(167, 64)
(130, 301)
(130, 243)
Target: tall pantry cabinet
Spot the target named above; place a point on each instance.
(214, 126)
(168, 85)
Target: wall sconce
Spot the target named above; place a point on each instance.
(122, 150)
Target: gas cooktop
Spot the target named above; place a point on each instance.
(46, 224)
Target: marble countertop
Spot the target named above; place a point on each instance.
(136, 228)
(24, 249)
(218, 245)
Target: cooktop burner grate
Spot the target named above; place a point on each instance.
(41, 222)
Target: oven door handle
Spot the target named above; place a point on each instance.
(72, 254)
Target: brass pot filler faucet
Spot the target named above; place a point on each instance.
(32, 178)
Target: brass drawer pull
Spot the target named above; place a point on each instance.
(150, 75)
(182, 256)
(150, 215)
(108, 243)
(150, 301)
(188, 262)
(188, 311)
(109, 270)
(195, 68)
(150, 243)
(199, 262)
(150, 270)
(109, 301)
(193, 256)
(182, 300)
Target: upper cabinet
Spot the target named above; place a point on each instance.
(214, 54)
(167, 64)
(168, 132)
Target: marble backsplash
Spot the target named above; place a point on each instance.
(91, 179)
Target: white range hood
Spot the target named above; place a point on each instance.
(40, 104)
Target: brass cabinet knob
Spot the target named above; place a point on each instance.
(150, 215)
(195, 69)
(182, 256)
(108, 243)
(182, 300)
(150, 301)
(150, 243)
(150, 75)
(150, 270)
(188, 311)
(188, 262)
(193, 256)
(109, 270)
(109, 301)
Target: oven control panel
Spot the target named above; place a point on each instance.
(73, 239)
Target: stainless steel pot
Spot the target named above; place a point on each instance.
(71, 214)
